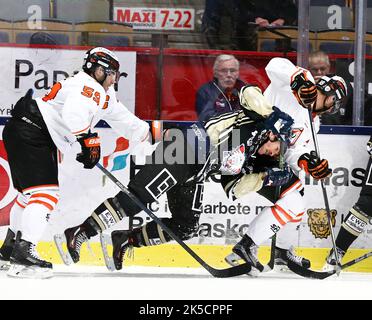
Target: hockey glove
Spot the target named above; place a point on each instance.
(90, 149)
(279, 123)
(304, 90)
(276, 177)
(317, 168)
(233, 161)
(369, 146)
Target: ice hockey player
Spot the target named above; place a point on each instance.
(255, 141)
(63, 119)
(293, 90)
(357, 218)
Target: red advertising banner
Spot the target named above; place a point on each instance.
(7, 193)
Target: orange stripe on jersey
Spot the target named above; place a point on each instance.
(295, 185)
(294, 74)
(49, 206)
(285, 213)
(277, 217)
(21, 205)
(41, 186)
(45, 195)
(81, 131)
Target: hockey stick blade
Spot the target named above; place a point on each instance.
(232, 259)
(308, 273)
(106, 241)
(59, 240)
(218, 273)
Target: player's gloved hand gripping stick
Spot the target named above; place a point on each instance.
(303, 89)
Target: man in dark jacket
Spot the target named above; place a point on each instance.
(220, 95)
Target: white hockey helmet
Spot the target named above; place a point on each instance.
(333, 86)
(103, 57)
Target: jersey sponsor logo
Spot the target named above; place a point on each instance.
(7, 193)
(318, 222)
(161, 184)
(295, 134)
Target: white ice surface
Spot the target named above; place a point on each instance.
(144, 283)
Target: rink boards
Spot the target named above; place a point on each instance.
(222, 222)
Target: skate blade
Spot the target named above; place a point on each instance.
(29, 272)
(105, 242)
(4, 265)
(60, 240)
(233, 260)
(281, 268)
(328, 268)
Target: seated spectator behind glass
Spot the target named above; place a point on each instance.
(227, 25)
(220, 95)
(319, 66)
(233, 24)
(275, 13)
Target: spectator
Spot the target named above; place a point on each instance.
(233, 24)
(220, 95)
(275, 13)
(319, 66)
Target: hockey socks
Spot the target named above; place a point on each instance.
(352, 226)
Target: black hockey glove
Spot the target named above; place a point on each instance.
(304, 90)
(317, 168)
(280, 124)
(277, 177)
(90, 149)
(369, 146)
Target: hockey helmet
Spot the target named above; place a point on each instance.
(103, 57)
(333, 86)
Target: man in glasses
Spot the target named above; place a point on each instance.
(220, 95)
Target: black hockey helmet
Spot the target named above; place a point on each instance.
(103, 57)
(333, 86)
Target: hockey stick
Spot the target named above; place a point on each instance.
(307, 273)
(218, 273)
(271, 263)
(325, 196)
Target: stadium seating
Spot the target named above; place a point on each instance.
(5, 31)
(103, 33)
(281, 39)
(55, 32)
(339, 41)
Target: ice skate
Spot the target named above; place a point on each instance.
(331, 264)
(282, 256)
(26, 263)
(6, 250)
(75, 237)
(246, 249)
(121, 243)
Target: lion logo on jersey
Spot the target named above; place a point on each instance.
(318, 222)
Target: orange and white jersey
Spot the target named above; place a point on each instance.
(73, 106)
(281, 72)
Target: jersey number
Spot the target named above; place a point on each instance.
(95, 95)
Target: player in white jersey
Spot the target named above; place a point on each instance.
(293, 90)
(63, 119)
